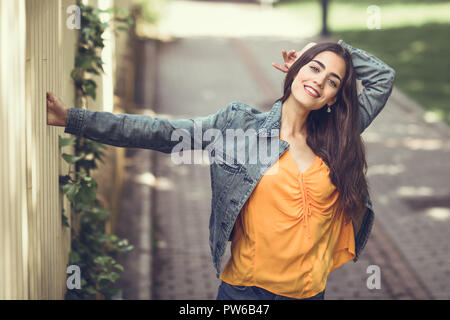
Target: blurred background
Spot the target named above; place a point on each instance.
(190, 58)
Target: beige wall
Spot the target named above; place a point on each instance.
(13, 200)
(37, 53)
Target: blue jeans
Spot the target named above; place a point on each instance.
(231, 292)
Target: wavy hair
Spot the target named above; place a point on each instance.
(335, 136)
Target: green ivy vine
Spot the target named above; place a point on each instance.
(92, 249)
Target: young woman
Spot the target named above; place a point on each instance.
(294, 216)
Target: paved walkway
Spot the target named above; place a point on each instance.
(408, 175)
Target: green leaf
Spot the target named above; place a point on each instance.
(121, 11)
(123, 29)
(90, 83)
(65, 221)
(63, 142)
(119, 267)
(122, 19)
(70, 158)
(77, 76)
(102, 260)
(91, 290)
(90, 88)
(110, 277)
(74, 257)
(109, 10)
(84, 62)
(93, 70)
(71, 190)
(86, 196)
(86, 33)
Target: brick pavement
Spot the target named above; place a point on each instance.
(135, 224)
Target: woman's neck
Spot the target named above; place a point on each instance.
(293, 118)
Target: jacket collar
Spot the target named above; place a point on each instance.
(271, 122)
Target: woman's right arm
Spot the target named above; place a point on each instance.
(141, 131)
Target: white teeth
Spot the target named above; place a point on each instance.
(312, 91)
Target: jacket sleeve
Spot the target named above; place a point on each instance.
(377, 79)
(141, 131)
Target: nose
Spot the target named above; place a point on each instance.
(319, 81)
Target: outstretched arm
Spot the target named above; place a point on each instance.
(376, 77)
(134, 131)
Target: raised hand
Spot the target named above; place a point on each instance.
(290, 57)
(57, 112)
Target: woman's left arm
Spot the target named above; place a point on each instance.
(376, 77)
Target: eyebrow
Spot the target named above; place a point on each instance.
(323, 66)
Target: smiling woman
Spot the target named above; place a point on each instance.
(328, 71)
(325, 146)
(311, 200)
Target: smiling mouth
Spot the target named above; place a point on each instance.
(311, 92)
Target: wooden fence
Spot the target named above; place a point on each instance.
(37, 51)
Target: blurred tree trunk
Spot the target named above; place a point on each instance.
(324, 17)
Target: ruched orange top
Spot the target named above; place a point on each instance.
(287, 236)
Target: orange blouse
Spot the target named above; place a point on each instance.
(287, 237)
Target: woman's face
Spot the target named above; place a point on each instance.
(318, 82)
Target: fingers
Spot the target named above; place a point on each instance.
(288, 56)
(277, 66)
(50, 97)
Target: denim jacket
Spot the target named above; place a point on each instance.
(232, 181)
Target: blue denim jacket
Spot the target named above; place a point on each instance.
(232, 181)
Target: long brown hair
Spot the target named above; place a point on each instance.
(335, 136)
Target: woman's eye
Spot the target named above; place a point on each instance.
(331, 81)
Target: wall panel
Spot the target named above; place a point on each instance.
(37, 53)
(13, 202)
